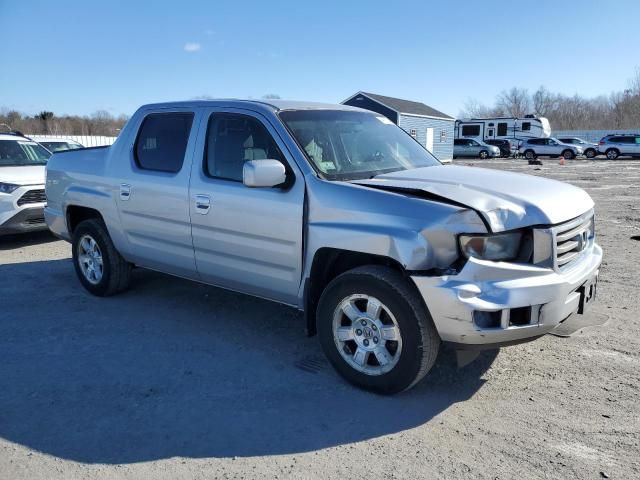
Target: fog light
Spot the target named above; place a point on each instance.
(520, 316)
(487, 319)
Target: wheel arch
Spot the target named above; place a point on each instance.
(75, 214)
(327, 264)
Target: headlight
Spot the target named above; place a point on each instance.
(501, 246)
(7, 187)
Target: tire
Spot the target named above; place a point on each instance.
(590, 153)
(568, 154)
(111, 273)
(612, 153)
(529, 154)
(402, 315)
(483, 154)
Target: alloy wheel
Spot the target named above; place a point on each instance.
(90, 259)
(367, 334)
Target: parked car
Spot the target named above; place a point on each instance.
(56, 144)
(468, 147)
(22, 172)
(614, 146)
(503, 145)
(589, 149)
(336, 211)
(548, 147)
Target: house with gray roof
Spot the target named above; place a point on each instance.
(432, 128)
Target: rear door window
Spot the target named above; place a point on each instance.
(162, 141)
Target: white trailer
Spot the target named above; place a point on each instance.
(502, 128)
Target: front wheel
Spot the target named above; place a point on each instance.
(484, 154)
(376, 331)
(99, 266)
(590, 153)
(568, 154)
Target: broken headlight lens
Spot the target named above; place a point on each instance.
(500, 246)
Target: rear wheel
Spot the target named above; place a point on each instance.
(99, 266)
(484, 154)
(612, 153)
(529, 154)
(375, 330)
(568, 154)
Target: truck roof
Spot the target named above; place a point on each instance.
(272, 104)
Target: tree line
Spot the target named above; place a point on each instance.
(618, 110)
(48, 123)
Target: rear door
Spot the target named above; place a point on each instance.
(245, 239)
(153, 197)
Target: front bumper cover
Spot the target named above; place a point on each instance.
(26, 220)
(485, 286)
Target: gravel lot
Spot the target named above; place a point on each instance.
(178, 380)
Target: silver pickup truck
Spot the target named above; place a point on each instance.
(336, 211)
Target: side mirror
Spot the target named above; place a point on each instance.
(263, 173)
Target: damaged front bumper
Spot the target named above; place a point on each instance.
(498, 303)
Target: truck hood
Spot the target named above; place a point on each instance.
(23, 175)
(506, 200)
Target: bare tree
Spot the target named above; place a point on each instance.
(45, 122)
(515, 102)
(543, 102)
(618, 110)
(634, 83)
(473, 108)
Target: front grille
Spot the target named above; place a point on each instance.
(34, 221)
(571, 239)
(32, 196)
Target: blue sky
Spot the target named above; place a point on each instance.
(81, 56)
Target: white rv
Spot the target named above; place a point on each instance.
(502, 128)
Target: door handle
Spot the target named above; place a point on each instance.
(125, 191)
(203, 203)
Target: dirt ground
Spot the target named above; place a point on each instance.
(176, 380)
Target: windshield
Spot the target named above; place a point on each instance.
(344, 145)
(16, 152)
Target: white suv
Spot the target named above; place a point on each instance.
(22, 178)
(548, 147)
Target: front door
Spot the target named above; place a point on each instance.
(551, 147)
(245, 239)
(473, 149)
(153, 193)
